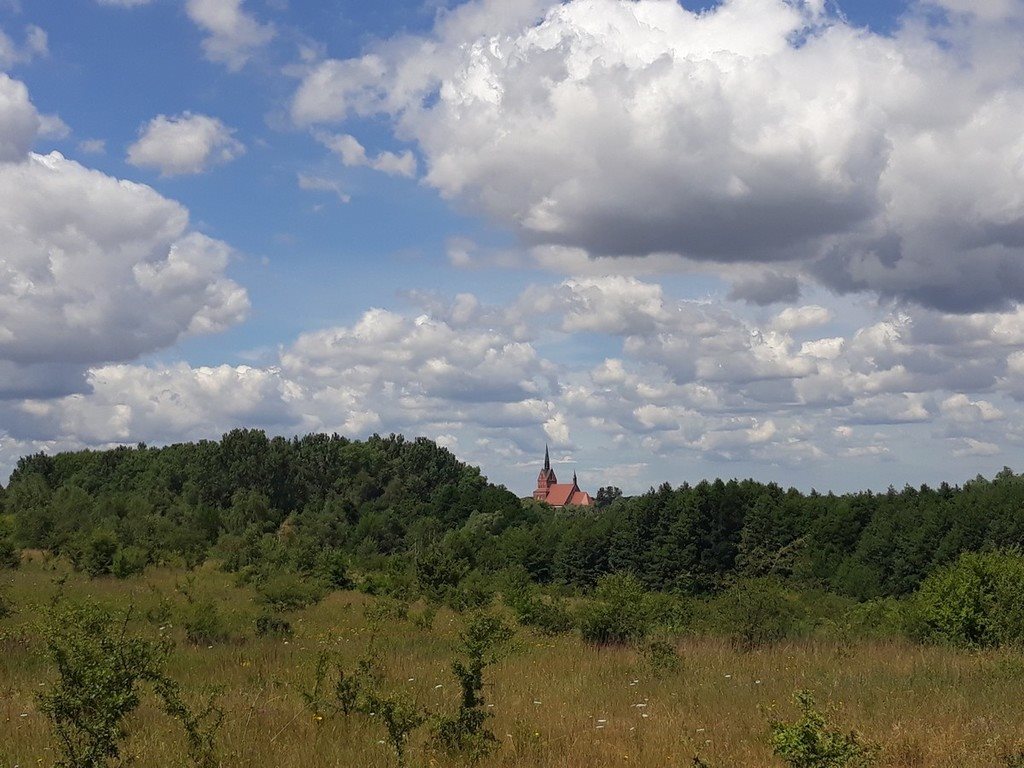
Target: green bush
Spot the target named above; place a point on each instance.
(97, 557)
(100, 671)
(756, 612)
(616, 615)
(129, 561)
(977, 602)
(204, 624)
(811, 742)
(661, 657)
(332, 567)
(273, 625)
(10, 555)
(484, 642)
(290, 591)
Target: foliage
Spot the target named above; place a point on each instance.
(269, 624)
(290, 591)
(129, 561)
(976, 602)
(10, 555)
(811, 742)
(100, 670)
(661, 657)
(756, 612)
(400, 715)
(616, 615)
(205, 624)
(484, 641)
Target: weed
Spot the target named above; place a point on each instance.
(483, 643)
(811, 742)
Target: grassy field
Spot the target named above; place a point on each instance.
(556, 702)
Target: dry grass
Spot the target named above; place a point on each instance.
(557, 703)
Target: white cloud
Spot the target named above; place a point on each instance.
(353, 154)
(184, 144)
(19, 120)
(311, 183)
(759, 131)
(36, 45)
(232, 35)
(93, 269)
(96, 269)
(92, 146)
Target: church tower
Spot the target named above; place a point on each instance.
(545, 479)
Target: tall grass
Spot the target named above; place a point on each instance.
(557, 702)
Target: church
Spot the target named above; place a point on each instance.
(559, 494)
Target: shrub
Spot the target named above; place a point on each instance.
(129, 561)
(289, 591)
(400, 715)
(483, 643)
(661, 657)
(97, 557)
(10, 555)
(100, 672)
(332, 567)
(473, 593)
(273, 625)
(204, 624)
(811, 742)
(976, 602)
(756, 612)
(616, 615)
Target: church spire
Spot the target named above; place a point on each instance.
(574, 482)
(547, 458)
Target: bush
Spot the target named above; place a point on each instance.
(129, 561)
(97, 557)
(617, 613)
(289, 591)
(10, 555)
(483, 643)
(811, 742)
(661, 657)
(205, 625)
(101, 669)
(332, 567)
(273, 625)
(756, 612)
(977, 602)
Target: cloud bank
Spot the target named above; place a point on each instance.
(761, 131)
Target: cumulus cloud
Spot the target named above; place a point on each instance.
(97, 269)
(687, 381)
(232, 34)
(353, 154)
(19, 120)
(93, 269)
(761, 131)
(184, 144)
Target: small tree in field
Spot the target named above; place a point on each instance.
(483, 642)
(101, 670)
(811, 742)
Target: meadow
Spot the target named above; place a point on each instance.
(555, 701)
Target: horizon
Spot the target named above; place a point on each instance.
(770, 239)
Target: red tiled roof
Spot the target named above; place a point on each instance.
(559, 494)
(581, 499)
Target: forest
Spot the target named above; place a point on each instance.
(398, 512)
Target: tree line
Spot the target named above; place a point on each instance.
(406, 514)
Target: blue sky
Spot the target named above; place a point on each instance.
(758, 238)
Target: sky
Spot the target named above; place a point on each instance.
(780, 239)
